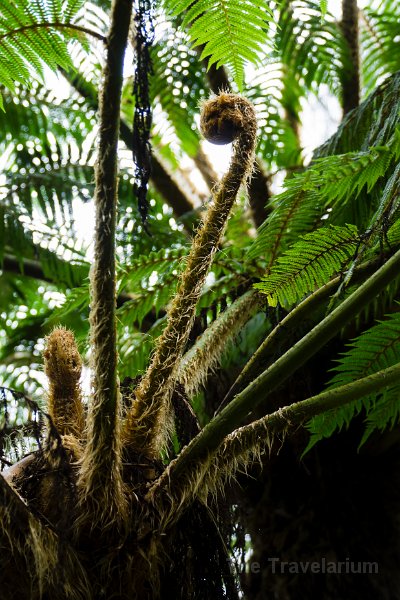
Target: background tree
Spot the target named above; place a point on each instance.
(122, 490)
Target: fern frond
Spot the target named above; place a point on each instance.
(275, 86)
(328, 185)
(143, 302)
(76, 303)
(384, 413)
(161, 265)
(309, 264)
(134, 349)
(31, 113)
(64, 264)
(294, 212)
(380, 49)
(372, 123)
(311, 46)
(231, 31)
(393, 235)
(390, 201)
(35, 33)
(375, 349)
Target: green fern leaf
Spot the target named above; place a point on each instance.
(328, 185)
(379, 41)
(309, 264)
(231, 31)
(385, 413)
(323, 5)
(375, 349)
(34, 33)
(162, 265)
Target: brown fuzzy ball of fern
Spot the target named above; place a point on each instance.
(222, 118)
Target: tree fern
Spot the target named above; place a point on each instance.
(232, 32)
(373, 350)
(309, 264)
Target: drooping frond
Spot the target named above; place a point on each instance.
(380, 49)
(375, 349)
(328, 185)
(372, 123)
(231, 31)
(309, 264)
(35, 34)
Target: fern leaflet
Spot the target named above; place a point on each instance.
(309, 264)
(375, 349)
(231, 31)
(34, 33)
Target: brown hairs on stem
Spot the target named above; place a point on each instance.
(100, 476)
(63, 367)
(224, 118)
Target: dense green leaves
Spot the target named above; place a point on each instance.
(309, 264)
(34, 34)
(379, 41)
(231, 32)
(375, 349)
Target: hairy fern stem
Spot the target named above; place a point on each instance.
(146, 427)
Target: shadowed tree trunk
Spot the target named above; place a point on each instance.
(351, 68)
